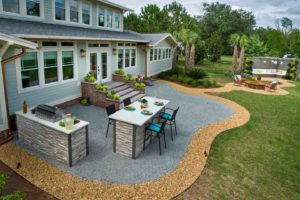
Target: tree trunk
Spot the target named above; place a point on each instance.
(187, 56)
(242, 59)
(192, 57)
(235, 59)
(174, 59)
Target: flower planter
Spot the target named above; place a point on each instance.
(116, 102)
(141, 90)
(87, 89)
(118, 78)
(130, 83)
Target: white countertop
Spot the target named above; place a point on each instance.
(136, 117)
(54, 125)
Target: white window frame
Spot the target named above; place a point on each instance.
(156, 50)
(42, 61)
(59, 49)
(81, 13)
(23, 10)
(98, 8)
(124, 47)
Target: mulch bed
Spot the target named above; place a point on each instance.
(16, 182)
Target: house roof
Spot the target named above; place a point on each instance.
(156, 38)
(16, 41)
(109, 3)
(38, 30)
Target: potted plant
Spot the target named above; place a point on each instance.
(119, 75)
(85, 101)
(140, 86)
(101, 88)
(90, 78)
(130, 80)
(259, 78)
(114, 96)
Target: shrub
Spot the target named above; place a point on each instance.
(113, 95)
(90, 78)
(120, 72)
(129, 78)
(180, 78)
(13, 196)
(84, 101)
(207, 83)
(2, 181)
(173, 78)
(197, 73)
(291, 72)
(193, 83)
(139, 85)
(187, 80)
(101, 87)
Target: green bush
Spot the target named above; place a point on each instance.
(193, 83)
(101, 87)
(291, 72)
(90, 78)
(197, 73)
(207, 83)
(14, 196)
(120, 72)
(113, 95)
(139, 85)
(180, 78)
(187, 80)
(129, 78)
(84, 101)
(174, 78)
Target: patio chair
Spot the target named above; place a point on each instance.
(158, 129)
(272, 86)
(127, 102)
(238, 80)
(111, 109)
(171, 119)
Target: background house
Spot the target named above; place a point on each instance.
(74, 37)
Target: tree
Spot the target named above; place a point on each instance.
(243, 41)
(295, 42)
(153, 19)
(234, 42)
(221, 18)
(276, 43)
(255, 47)
(287, 25)
(133, 22)
(214, 47)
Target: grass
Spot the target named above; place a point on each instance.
(260, 160)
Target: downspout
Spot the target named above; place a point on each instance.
(10, 135)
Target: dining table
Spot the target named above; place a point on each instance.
(130, 123)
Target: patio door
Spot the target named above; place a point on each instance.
(99, 65)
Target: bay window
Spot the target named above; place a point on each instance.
(117, 21)
(60, 10)
(50, 67)
(33, 8)
(68, 64)
(29, 70)
(109, 18)
(74, 14)
(86, 12)
(12, 6)
(101, 16)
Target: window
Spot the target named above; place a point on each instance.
(169, 53)
(117, 23)
(68, 65)
(12, 6)
(151, 54)
(29, 70)
(133, 56)
(155, 54)
(33, 7)
(159, 54)
(104, 45)
(74, 11)
(49, 44)
(67, 44)
(50, 67)
(127, 58)
(60, 11)
(164, 54)
(93, 45)
(109, 18)
(120, 58)
(101, 16)
(86, 12)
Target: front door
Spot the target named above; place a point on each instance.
(99, 65)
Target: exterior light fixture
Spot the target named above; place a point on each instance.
(82, 53)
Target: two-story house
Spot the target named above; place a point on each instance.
(62, 41)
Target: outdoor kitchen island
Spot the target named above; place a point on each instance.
(53, 140)
(129, 126)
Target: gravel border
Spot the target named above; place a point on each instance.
(64, 185)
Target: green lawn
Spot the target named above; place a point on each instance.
(260, 160)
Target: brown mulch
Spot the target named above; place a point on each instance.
(15, 182)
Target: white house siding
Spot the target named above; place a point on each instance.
(1, 119)
(155, 67)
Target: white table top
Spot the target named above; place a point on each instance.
(54, 125)
(136, 117)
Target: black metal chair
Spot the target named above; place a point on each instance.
(159, 129)
(127, 102)
(111, 109)
(170, 118)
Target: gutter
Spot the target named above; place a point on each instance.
(3, 62)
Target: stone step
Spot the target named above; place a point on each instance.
(124, 92)
(113, 84)
(120, 88)
(129, 95)
(137, 97)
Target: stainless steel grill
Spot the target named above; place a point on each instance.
(49, 113)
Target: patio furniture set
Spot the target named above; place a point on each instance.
(257, 84)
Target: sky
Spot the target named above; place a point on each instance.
(265, 11)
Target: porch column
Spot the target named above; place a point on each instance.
(3, 124)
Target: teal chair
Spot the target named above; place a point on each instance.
(170, 116)
(156, 130)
